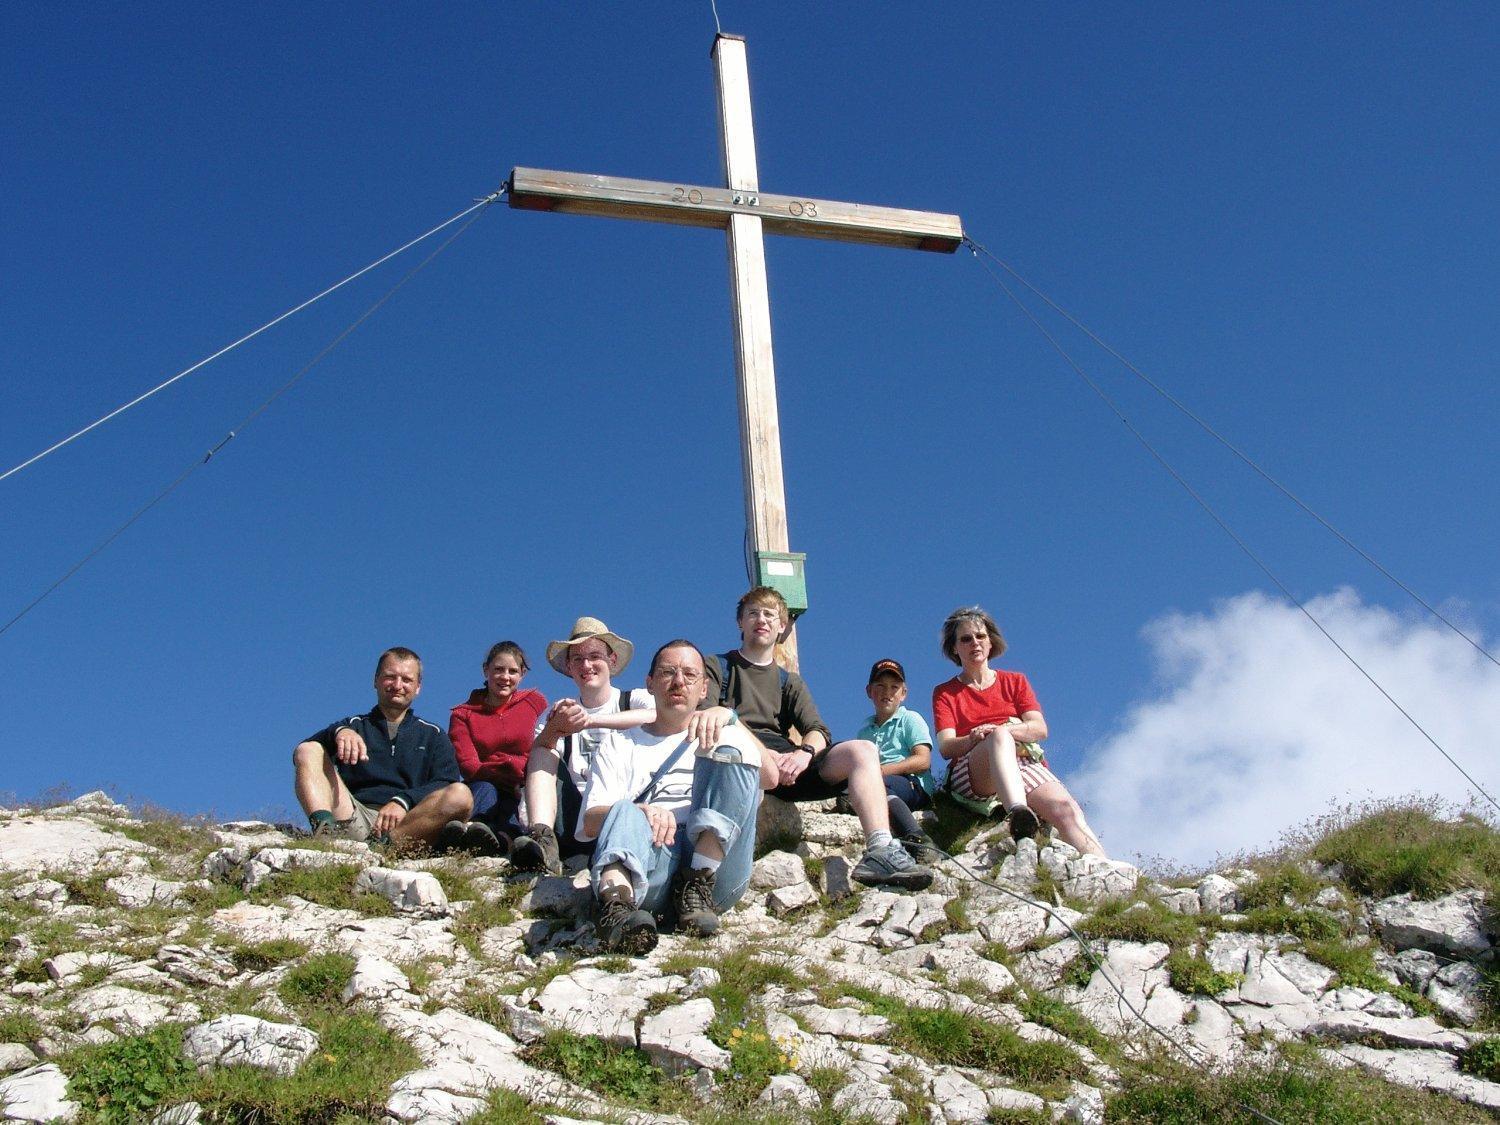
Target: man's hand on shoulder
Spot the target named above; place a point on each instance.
(390, 815)
(706, 726)
(350, 747)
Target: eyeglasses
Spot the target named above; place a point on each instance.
(687, 675)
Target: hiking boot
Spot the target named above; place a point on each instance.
(322, 829)
(1023, 823)
(624, 929)
(450, 837)
(890, 866)
(694, 899)
(482, 840)
(921, 848)
(537, 851)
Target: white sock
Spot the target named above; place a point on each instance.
(878, 839)
(702, 862)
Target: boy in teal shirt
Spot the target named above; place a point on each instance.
(905, 746)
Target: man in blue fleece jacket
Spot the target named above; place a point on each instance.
(382, 774)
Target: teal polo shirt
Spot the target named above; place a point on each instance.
(897, 737)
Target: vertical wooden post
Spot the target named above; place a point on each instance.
(760, 433)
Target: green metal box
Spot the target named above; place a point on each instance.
(784, 572)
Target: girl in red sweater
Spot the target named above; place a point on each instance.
(492, 734)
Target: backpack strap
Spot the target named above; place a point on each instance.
(723, 679)
(663, 770)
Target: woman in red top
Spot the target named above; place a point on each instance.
(492, 735)
(980, 716)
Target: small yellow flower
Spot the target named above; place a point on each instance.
(736, 1033)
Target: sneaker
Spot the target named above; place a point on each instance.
(450, 837)
(921, 848)
(481, 839)
(537, 852)
(624, 929)
(1023, 823)
(890, 866)
(694, 899)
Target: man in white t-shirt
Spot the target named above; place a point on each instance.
(567, 738)
(673, 816)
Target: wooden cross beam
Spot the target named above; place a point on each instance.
(742, 210)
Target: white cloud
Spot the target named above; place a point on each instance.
(1261, 724)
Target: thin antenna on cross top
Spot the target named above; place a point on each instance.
(718, 27)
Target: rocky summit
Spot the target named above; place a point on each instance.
(169, 971)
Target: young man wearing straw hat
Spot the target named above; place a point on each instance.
(569, 736)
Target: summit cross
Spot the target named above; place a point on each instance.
(744, 212)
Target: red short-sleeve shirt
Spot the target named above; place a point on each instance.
(960, 708)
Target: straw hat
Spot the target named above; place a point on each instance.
(590, 629)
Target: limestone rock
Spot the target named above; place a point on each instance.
(144, 890)
(376, 979)
(46, 895)
(66, 966)
(239, 1040)
(188, 1113)
(1455, 924)
(1014, 1101)
(1181, 900)
(15, 1056)
(1094, 879)
(1084, 1105)
(38, 1094)
(785, 900)
(1458, 992)
(1415, 967)
(590, 1001)
(791, 1092)
(1218, 895)
(128, 1010)
(559, 896)
(777, 869)
(843, 1023)
(838, 881)
(1431, 1070)
(415, 892)
(676, 1038)
(1418, 1033)
(833, 829)
(395, 939)
(70, 845)
(960, 1099)
(871, 1100)
(777, 823)
(1019, 869)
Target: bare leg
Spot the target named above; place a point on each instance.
(993, 769)
(541, 786)
(1056, 806)
(318, 786)
(426, 820)
(858, 762)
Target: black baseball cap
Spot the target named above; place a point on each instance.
(882, 666)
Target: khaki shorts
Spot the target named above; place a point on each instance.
(360, 826)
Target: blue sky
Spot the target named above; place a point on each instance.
(1288, 216)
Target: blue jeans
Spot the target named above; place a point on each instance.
(495, 808)
(901, 785)
(726, 797)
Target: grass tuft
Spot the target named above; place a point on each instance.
(1196, 977)
(625, 1073)
(123, 1080)
(960, 1039)
(1408, 846)
(257, 957)
(319, 981)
